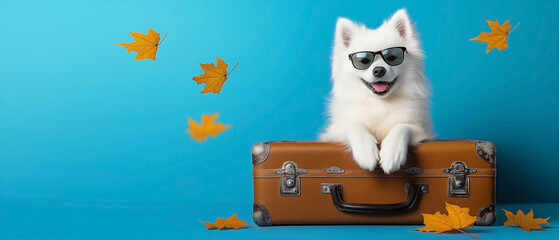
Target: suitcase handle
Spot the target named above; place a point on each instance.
(413, 190)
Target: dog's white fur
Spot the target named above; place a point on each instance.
(362, 119)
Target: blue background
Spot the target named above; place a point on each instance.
(93, 144)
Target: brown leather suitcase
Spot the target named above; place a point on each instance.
(320, 183)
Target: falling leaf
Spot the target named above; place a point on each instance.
(497, 38)
(214, 77)
(207, 127)
(231, 222)
(526, 222)
(456, 219)
(145, 45)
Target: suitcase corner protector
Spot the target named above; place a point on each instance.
(486, 216)
(486, 151)
(260, 152)
(261, 215)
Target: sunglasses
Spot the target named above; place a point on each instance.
(363, 60)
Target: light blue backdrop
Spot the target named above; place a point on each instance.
(81, 124)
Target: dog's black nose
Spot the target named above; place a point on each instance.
(379, 71)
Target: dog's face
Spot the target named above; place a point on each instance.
(375, 62)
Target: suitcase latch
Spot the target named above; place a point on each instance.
(290, 184)
(459, 183)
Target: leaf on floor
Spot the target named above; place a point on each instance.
(526, 222)
(457, 219)
(226, 223)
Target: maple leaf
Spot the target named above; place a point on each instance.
(231, 222)
(456, 219)
(214, 77)
(498, 37)
(234, 222)
(526, 222)
(146, 45)
(207, 127)
(219, 224)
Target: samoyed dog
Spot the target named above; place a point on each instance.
(380, 94)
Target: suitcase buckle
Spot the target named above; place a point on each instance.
(290, 184)
(459, 183)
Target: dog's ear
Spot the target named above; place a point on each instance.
(402, 23)
(345, 30)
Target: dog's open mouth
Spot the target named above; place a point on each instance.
(379, 88)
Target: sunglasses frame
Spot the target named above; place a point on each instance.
(375, 54)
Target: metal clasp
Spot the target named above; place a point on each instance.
(459, 183)
(290, 184)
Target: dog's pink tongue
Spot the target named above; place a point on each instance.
(380, 86)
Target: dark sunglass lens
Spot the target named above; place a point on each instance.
(362, 60)
(393, 56)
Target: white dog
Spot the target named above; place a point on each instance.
(379, 93)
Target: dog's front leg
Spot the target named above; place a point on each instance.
(394, 148)
(363, 145)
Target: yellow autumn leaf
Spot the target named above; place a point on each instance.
(214, 77)
(146, 45)
(219, 224)
(526, 222)
(207, 127)
(497, 38)
(234, 222)
(229, 223)
(456, 219)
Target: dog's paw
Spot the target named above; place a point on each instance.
(365, 152)
(393, 153)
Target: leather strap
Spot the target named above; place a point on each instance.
(365, 208)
